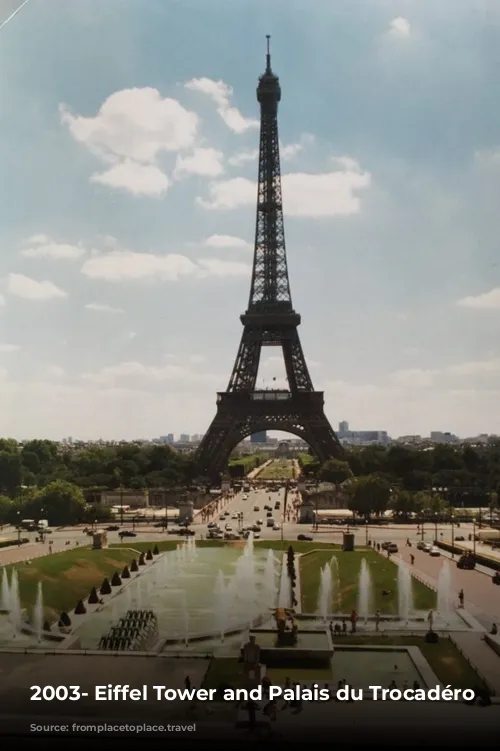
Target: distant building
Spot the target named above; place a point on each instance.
(343, 427)
(259, 437)
(438, 437)
(184, 438)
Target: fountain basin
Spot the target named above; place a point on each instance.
(311, 646)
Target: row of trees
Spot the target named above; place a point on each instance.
(411, 481)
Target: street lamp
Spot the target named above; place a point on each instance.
(18, 529)
(121, 504)
(366, 530)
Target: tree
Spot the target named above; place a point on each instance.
(10, 473)
(404, 504)
(60, 502)
(335, 471)
(6, 508)
(369, 495)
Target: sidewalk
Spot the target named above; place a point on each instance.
(482, 656)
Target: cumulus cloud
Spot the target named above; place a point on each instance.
(2, 301)
(138, 179)
(102, 308)
(227, 241)
(243, 157)
(203, 161)
(54, 371)
(4, 348)
(136, 370)
(305, 195)
(41, 246)
(485, 301)
(413, 378)
(31, 289)
(129, 132)
(220, 93)
(127, 265)
(399, 27)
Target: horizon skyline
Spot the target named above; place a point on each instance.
(129, 187)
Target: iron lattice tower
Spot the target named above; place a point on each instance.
(270, 321)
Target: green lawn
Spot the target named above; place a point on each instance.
(68, 576)
(444, 658)
(279, 469)
(383, 574)
(143, 547)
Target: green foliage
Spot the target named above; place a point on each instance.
(369, 495)
(335, 471)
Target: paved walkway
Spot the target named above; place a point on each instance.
(482, 656)
(482, 602)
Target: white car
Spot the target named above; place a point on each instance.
(260, 522)
(235, 515)
(427, 547)
(229, 528)
(276, 528)
(435, 552)
(256, 535)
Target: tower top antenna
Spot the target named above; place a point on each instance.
(268, 54)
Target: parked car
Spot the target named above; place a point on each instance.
(276, 528)
(392, 547)
(127, 533)
(186, 532)
(460, 538)
(466, 561)
(112, 528)
(256, 508)
(385, 545)
(256, 535)
(427, 547)
(434, 552)
(421, 545)
(305, 538)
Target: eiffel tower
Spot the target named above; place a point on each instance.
(270, 321)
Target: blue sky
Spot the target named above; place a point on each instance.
(128, 132)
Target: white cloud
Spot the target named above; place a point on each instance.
(489, 158)
(131, 129)
(306, 195)
(135, 370)
(486, 301)
(410, 351)
(413, 378)
(292, 149)
(475, 368)
(42, 246)
(102, 308)
(138, 179)
(4, 348)
(221, 93)
(243, 157)
(400, 27)
(2, 301)
(205, 162)
(54, 371)
(136, 124)
(227, 241)
(127, 265)
(217, 267)
(31, 289)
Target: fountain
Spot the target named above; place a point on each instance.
(365, 591)
(4, 592)
(38, 614)
(405, 592)
(185, 613)
(336, 594)
(221, 605)
(270, 578)
(444, 596)
(325, 592)
(285, 591)
(15, 602)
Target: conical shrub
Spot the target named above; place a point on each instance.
(142, 560)
(64, 619)
(133, 566)
(80, 608)
(155, 550)
(93, 597)
(105, 587)
(126, 573)
(116, 581)
(149, 555)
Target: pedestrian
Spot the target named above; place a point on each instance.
(461, 598)
(412, 559)
(377, 620)
(354, 618)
